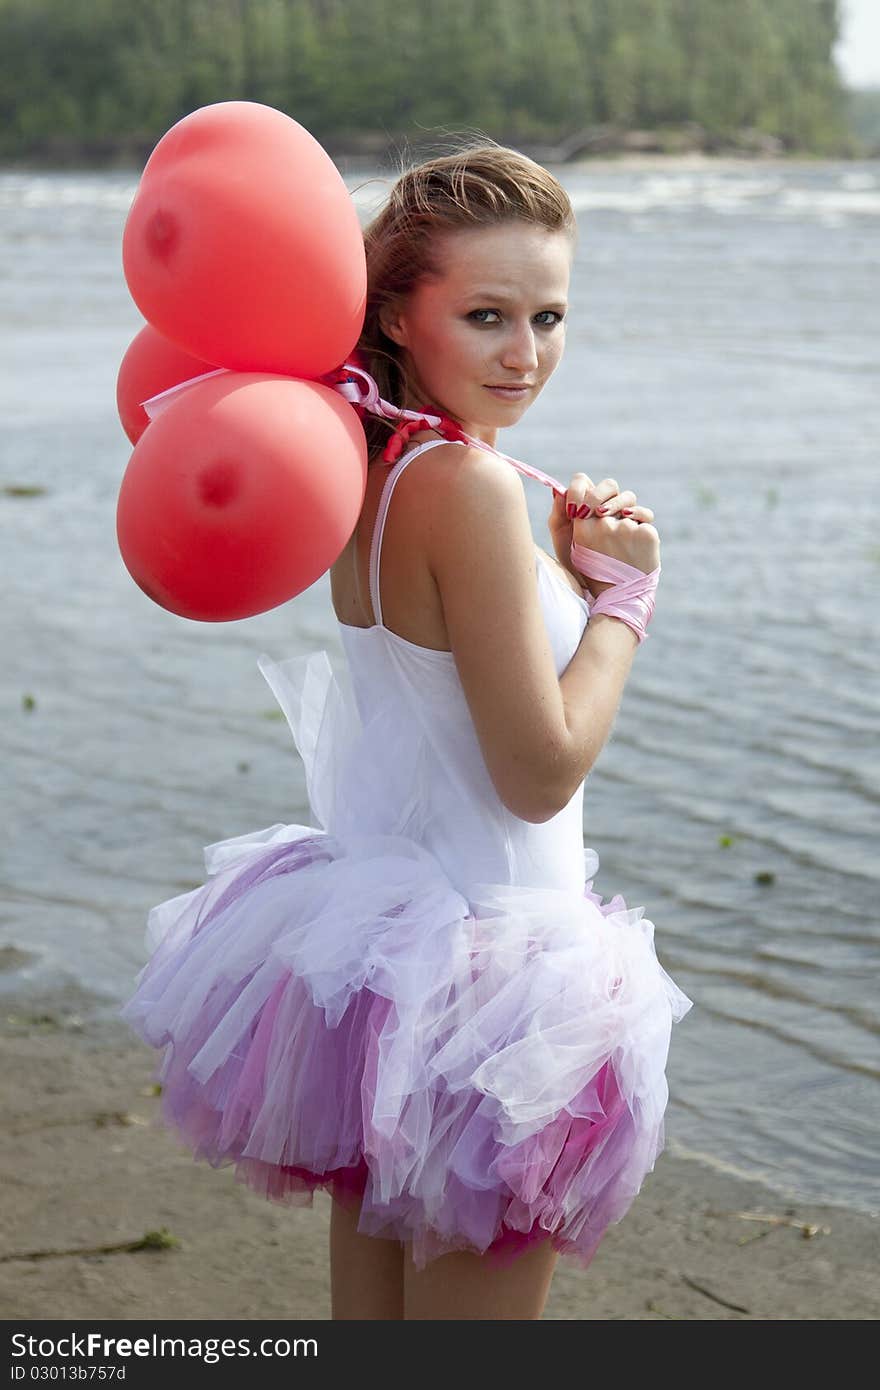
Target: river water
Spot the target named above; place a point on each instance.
(722, 361)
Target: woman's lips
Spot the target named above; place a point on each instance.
(509, 393)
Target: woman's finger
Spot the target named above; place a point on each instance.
(612, 506)
(578, 488)
(603, 492)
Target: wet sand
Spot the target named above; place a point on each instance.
(87, 1168)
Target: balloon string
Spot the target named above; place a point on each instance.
(365, 396)
(368, 398)
(156, 404)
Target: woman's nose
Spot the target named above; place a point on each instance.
(521, 353)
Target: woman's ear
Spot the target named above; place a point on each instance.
(390, 323)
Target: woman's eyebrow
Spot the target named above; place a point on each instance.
(499, 297)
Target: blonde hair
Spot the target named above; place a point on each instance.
(478, 184)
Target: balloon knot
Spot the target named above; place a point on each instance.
(450, 430)
(394, 448)
(447, 427)
(392, 451)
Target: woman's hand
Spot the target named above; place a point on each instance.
(618, 532)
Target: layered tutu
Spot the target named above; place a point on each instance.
(477, 1072)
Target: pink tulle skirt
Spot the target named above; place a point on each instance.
(348, 1185)
(470, 1074)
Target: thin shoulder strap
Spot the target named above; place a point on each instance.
(381, 514)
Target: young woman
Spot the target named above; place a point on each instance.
(422, 1007)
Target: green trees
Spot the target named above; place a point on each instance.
(103, 71)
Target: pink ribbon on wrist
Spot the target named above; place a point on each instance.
(632, 596)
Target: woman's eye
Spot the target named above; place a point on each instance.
(557, 318)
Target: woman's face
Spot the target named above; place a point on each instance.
(494, 317)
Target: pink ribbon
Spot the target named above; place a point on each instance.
(632, 595)
(631, 598)
(156, 404)
(365, 394)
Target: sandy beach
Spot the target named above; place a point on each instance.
(88, 1170)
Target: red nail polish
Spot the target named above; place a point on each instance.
(571, 509)
(600, 511)
(626, 511)
(583, 512)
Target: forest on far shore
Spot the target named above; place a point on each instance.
(101, 80)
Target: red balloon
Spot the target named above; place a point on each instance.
(243, 492)
(243, 245)
(151, 364)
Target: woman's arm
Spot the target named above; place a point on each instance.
(540, 734)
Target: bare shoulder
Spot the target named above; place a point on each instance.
(468, 485)
(451, 490)
(451, 466)
(468, 466)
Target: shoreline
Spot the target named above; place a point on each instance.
(354, 162)
(89, 1168)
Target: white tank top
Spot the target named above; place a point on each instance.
(390, 747)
